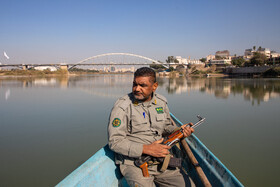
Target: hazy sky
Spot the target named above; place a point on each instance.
(54, 31)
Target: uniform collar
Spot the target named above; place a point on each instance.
(152, 101)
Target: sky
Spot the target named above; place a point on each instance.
(55, 31)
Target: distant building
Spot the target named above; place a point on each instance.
(223, 54)
(249, 53)
(220, 62)
(274, 54)
(194, 61)
(187, 61)
(264, 51)
(42, 68)
(210, 57)
(117, 69)
(131, 69)
(181, 60)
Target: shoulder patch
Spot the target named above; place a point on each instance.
(116, 122)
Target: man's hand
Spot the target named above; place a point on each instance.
(187, 130)
(156, 149)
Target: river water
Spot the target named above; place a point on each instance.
(50, 126)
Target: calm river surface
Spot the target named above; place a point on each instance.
(49, 126)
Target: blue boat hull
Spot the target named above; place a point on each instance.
(100, 169)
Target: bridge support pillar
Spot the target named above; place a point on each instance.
(64, 67)
(24, 67)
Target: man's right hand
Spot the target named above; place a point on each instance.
(156, 149)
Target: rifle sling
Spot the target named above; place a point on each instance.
(165, 163)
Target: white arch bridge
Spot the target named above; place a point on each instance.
(115, 59)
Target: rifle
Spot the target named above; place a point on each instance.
(172, 139)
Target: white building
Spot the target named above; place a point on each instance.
(250, 52)
(42, 68)
(222, 61)
(265, 51)
(181, 60)
(187, 61)
(194, 61)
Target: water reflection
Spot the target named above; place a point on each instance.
(7, 94)
(114, 86)
(254, 90)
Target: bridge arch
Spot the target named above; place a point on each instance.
(120, 54)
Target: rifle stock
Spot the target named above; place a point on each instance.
(142, 163)
(144, 168)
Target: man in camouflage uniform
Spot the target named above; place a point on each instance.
(138, 121)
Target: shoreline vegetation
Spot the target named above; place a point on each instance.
(192, 71)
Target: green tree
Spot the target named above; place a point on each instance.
(171, 69)
(254, 48)
(157, 66)
(238, 62)
(203, 60)
(258, 59)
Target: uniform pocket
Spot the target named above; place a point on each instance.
(160, 117)
(139, 125)
(160, 123)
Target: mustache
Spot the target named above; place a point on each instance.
(136, 92)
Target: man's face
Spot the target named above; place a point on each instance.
(143, 88)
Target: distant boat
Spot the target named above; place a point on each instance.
(100, 169)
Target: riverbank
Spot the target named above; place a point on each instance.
(192, 72)
(32, 72)
(28, 73)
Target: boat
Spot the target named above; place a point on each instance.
(100, 169)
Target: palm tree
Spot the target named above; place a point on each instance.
(170, 59)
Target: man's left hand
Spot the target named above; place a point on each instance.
(187, 129)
